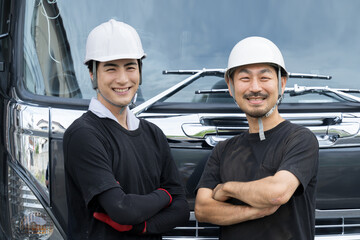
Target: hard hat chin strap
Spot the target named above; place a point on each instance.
(261, 126)
(231, 84)
(122, 107)
(280, 97)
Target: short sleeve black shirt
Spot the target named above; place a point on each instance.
(245, 158)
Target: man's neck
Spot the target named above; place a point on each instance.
(268, 122)
(121, 116)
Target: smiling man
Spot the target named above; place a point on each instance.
(260, 184)
(121, 180)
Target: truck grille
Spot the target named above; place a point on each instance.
(337, 226)
(325, 225)
(194, 230)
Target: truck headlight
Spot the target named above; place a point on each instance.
(29, 220)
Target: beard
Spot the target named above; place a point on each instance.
(256, 113)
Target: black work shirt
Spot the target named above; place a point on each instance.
(99, 155)
(245, 158)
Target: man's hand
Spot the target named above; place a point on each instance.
(106, 219)
(103, 217)
(210, 210)
(219, 194)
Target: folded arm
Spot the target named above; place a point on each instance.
(132, 209)
(266, 192)
(207, 209)
(165, 220)
(174, 215)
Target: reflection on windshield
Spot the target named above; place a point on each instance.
(316, 37)
(48, 63)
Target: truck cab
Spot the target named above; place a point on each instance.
(44, 87)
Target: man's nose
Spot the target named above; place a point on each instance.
(121, 77)
(255, 85)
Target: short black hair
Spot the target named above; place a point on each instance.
(90, 65)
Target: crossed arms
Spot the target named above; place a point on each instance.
(263, 196)
(156, 212)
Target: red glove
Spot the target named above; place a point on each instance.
(103, 217)
(106, 219)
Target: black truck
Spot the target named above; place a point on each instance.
(44, 87)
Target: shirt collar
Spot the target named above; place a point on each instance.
(101, 111)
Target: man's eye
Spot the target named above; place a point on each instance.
(265, 78)
(110, 69)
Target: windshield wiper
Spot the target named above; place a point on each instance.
(343, 93)
(208, 72)
(195, 74)
(301, 90)
(221, 72)
(310, 76)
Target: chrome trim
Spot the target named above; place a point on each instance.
(338, 237)
(189, 238)
(325, 237)
(28, 139)
(345, 213)
(344, 130)
(143, 107)
(61, 119)
(197, 130)
(341, 130)
(213, 140)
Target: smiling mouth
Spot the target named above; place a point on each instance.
(121, 90)
(255, 100)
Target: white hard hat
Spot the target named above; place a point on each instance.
(254, 50)
(113, 40)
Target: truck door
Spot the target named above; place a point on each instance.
(4, 85)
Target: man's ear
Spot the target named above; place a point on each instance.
(91, 75)
(228, 79)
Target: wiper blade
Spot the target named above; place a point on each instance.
(225, 90)
(221, 72)
(212, 72)
(300, 90)
(311, 76)
(343, 93)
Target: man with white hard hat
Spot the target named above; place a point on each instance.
(261, 183)
(121, 180)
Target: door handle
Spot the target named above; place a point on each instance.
(344, 130)
(197, 130)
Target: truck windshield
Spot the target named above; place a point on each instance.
(316, 37)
